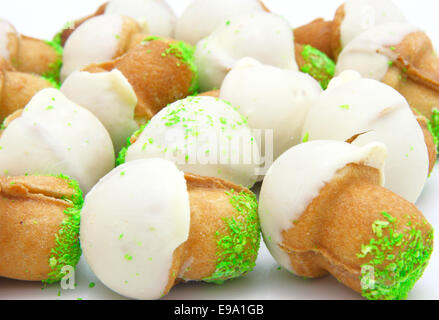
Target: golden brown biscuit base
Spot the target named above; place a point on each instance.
(31, 212)
(211, 207)
(130, 36)
(66, 33)
(415, 72)
(317, 34)
(323, 35)
(333, 229)
(157, 76)
(429, 141)
(36, 56)
(17, 89)
(32, 55)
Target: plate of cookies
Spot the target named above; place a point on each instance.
(206, 149)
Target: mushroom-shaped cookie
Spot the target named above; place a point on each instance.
(202, 135)
(102, 38)
(323, 210)
(110, 97)
(351, 19)
(263, 36)
(376, 112)
(52, 135)
(146, 226)
(28, 54)
(401, 56)
(17, 88)
(39, 227)
(155, 14)
(202, 17)
(160, 72)
(289, 94)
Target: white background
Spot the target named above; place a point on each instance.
(44, 18)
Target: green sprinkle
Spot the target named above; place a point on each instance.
(128, 257)
(345, 106)
(91, 285)
(433, 126)
(67, 250)
(53, 74)
(49, 107)
(318, 65)
(185, 53)
(121, 236)
(305, 137)
(237, 248)
(122, 173)
(397, 256)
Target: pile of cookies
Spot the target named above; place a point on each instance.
(134, 137)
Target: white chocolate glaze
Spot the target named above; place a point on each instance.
(202, 135)
(365, 53)
(157, 15)
(371, 107)
(263, 36)
(297, 177)
(362, 15)
(202, 17)
(132, 222)
(6, 29)
(56, 136)
(110, 97)
(94, 41)
(272, 99)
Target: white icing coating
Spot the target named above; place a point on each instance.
(202, 135)
(297, 177)
(365, 53)
(371, 107)
(157, 15)
(110, 97)
(263, 36)
(56, 136)
(202, 17)
(362, 15)
(132, 222)
(272, 99)
(5, 30)
(94, 41)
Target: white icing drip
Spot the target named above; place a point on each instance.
(56, 136)
(158, 16)
(132, 222)
(297, 177)
(94, 41)
(5, 30)
(202, 17)
(362, 15)
(110, 97)
(262, 36)
(364, 105)
(203, 135)
(253, 86)
(365, 53)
